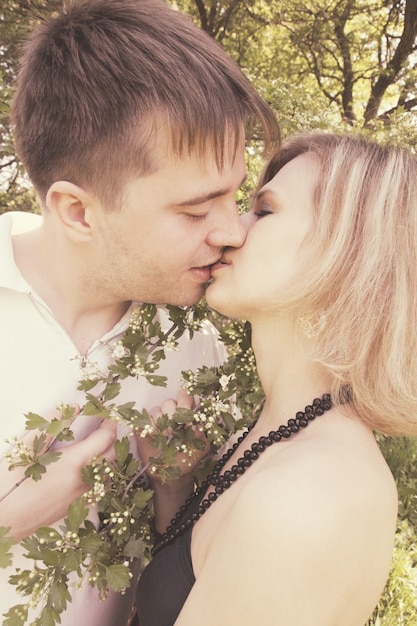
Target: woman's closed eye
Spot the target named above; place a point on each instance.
(262, 211)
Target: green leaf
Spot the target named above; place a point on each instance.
(5, 544)
(134, 548)
(32, 546)
(131, 467)
(88, 474)
(35, 471)
(183, 416)
(77, 513)
(91, 543)
(71, 561)
(111, 391)
(93, 407)
(177, 314)
(126, 411)
(6, 557)
(48, 617)
(49, 457)
(59, 596)
(229, 421)
(89, 527)
(48, 534)
(141, 353)
(87, 384)
(35, 422)
(55, 427)
(121, 448)
(141, 497)
(16, 616)
(162, 423)
(39, 444)
(207, 376)
(158, 355)
(118, 577)
(50, 557)
(157, 381)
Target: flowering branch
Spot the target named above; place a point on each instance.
(120, 489)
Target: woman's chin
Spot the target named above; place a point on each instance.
(213, 300)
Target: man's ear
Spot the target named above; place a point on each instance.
(72, 205)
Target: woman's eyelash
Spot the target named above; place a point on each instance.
(263, 212)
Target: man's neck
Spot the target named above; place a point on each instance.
(84, 315)
(86, 328)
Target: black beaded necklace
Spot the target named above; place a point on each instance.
(221, 482)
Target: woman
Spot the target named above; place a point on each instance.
(300, 531)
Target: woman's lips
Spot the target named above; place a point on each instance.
(217, 267)
(221, 263)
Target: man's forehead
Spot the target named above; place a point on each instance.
(172, 147)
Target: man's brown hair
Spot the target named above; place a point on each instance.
(101, 79)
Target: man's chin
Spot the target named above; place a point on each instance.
(187, 299)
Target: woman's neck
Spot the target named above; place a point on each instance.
(289, 377)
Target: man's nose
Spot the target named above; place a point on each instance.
(230, 232)
(248, 219)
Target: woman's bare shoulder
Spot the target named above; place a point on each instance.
(308, 538)
(325, 516)
(332, 471)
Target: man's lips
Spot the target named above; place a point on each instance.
(203, 272)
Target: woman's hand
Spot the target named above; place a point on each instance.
(169, 495)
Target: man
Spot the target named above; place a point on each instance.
(131, 124)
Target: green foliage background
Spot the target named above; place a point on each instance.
(345, 65)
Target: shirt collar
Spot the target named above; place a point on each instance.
(12, 223)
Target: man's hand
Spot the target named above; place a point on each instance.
(41, 503)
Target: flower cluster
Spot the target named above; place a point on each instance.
(19, 453)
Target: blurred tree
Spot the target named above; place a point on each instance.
(357, 56)
(16, 18)
(327, 64)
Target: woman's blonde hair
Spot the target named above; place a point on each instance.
(361, 269)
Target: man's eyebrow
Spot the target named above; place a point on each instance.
(205, 197)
